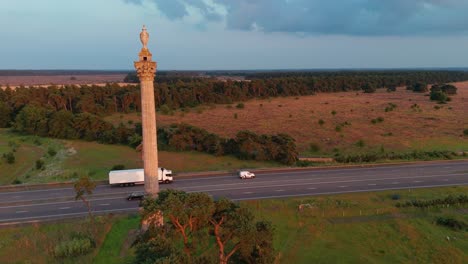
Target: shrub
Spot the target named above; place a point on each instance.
(240, 106)
(235, 115)
(51, 151)
(338, 128)
(451, 223)
(465, 132)
(9, 157)
(16, 181)
(377, 120)
(73, 248)
(118, 167)
(321, 122)
(313, 147)
(391, 88)
(360, 143)
(439, 96)
(165, 110)
(395, 196)
(304, 163)
(39, 164)
(333, 112)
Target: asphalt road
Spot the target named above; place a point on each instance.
(59, 203)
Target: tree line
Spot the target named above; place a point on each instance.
(183, 91)
(42, 121)
(245, 145)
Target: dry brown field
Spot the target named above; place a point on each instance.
(60, 79)
(422, 128)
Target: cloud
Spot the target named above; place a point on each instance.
(328, 17)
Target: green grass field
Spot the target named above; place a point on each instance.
(74, 158)
(347, 228)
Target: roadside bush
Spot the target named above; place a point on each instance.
(333, 112)
(395, 196)
(449, 200)
(304, 163)
(465, 132)
(452, 223)
(118, 167)
(240, 106)
(16, 181)
(73, 248)
(321, 122)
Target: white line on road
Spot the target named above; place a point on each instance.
(69, 214)
(279, 190)
(353, 191)
(248, 192)
(342, 186)
(371, 184)
(64, 208)
(20, 212)
(104, 204)
(417, 181)
(224, 187)
(312, 188)
(64, 202)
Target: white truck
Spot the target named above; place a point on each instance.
(135, 176)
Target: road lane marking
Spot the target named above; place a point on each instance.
(338, 192)
(303, 182)
(371, 184)
(417, 181)
(20, 212)
(64, 208)
(104, 204)
(311, 188)
(69, 214)
(342, 186)
(64, 202)
(279, 190)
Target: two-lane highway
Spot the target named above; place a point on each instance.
(37, 205)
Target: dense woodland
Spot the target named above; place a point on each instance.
(76, 112)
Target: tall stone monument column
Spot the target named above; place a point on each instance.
(146, 71)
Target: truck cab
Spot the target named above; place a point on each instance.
(165, 175)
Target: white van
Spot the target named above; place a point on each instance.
(243, 174)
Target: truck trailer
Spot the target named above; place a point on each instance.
(136, 176)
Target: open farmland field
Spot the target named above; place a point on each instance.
(60, 79)
(414, 123)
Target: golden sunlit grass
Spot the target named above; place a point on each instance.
(423, 127)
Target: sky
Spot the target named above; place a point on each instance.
(234, 34)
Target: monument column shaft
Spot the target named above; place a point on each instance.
(146, 71)
(150, 145)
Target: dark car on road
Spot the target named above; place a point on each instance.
(136, 196)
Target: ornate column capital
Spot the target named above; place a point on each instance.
(146, 70)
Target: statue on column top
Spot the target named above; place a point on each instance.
(144, 37)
